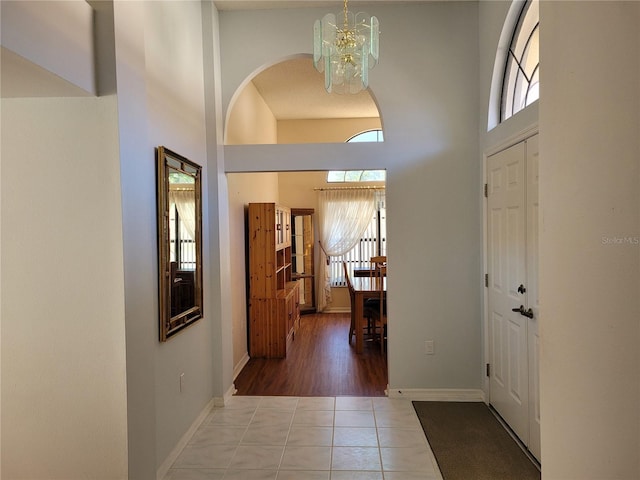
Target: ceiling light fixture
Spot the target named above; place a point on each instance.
(345, 47)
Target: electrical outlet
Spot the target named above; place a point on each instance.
(428, 347)
(181, 382)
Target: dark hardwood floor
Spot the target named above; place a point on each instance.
(320, 362)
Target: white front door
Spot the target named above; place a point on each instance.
(508, 341)
(513, 302)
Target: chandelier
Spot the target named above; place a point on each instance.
(345, 47)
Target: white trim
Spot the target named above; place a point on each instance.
(438, 394)
(485, 290)
(510, 141)
(241, 364)
(163, 469)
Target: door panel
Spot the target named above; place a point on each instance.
(495, 246)
(497, 358)
(517, 389)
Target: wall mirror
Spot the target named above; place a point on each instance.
(302, 241)
(179, 242)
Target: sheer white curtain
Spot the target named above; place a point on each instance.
(185, 201)
(343, 216)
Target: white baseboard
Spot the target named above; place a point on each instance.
(173, 455)
(438, 394)
(241, 364)
(220, 402)
(228, 394)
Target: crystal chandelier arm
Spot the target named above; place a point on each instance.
(365, 67)
(375, 46)
(317, 46)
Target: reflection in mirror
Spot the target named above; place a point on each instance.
(302, 256)
(179, 242)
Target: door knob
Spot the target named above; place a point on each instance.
(527, 313)
(521, 289)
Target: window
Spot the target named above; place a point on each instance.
(337, 176)
(372, 243)
(368, 136)
(182, 247)
(521, 81)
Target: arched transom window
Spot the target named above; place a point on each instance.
(360, 175)
(521, 83)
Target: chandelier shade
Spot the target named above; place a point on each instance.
(345, 48)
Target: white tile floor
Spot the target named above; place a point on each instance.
(308, 438)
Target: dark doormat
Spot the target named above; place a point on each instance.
(469, 443)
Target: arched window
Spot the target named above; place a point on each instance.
(521, 81)
(337, 176)
(368, 136)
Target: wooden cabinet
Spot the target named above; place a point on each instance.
(274, 305)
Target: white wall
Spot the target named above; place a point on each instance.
(251, 121)
(137, 212)
(428, 103)
(61, 48)
(63, 328)
(589, 281)
(161, 101)
(218, 202)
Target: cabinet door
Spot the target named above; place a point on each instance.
(283, 226)
(296, 308)
(267, 328)
(262, 260)
(279, 228)
(292, 309)
(286, 226)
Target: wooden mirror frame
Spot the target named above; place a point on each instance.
(177, 310)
